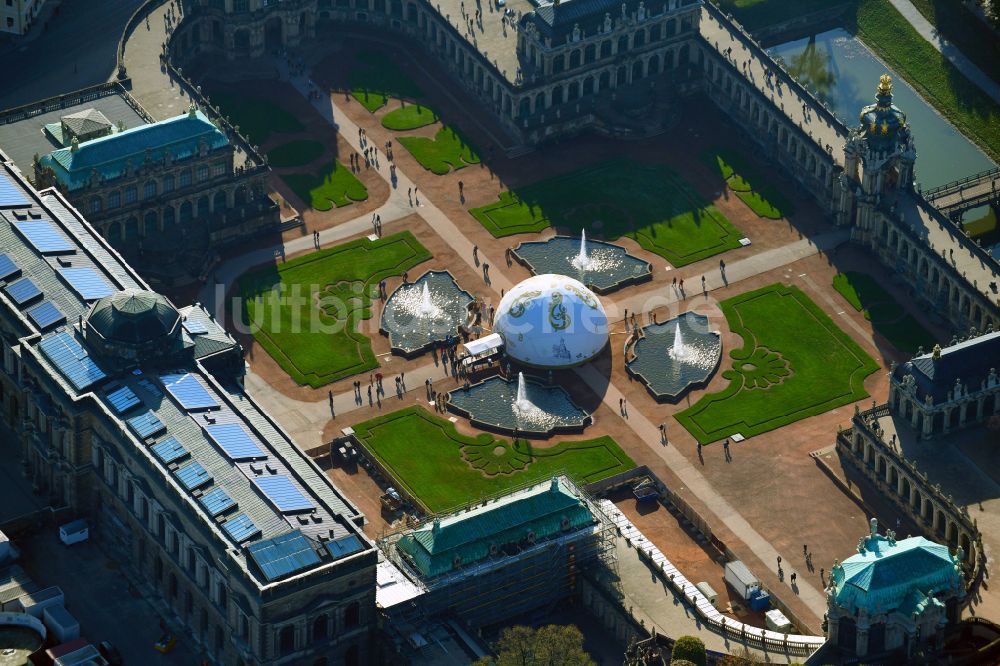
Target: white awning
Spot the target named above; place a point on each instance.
(489, 343)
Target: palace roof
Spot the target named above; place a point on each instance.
(467, 537)
(889, 575)
(969, 361)
(179, 137)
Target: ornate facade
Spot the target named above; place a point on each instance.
(892, 596)
(115, 397)
(162, 191)
(948, 388)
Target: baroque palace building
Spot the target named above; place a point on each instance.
(131, 412)
(618, 68)
(158, 192)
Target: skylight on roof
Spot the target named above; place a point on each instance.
(195, 327)
(192, 476)
(188, 391)
(45, 315)
(235, 441)
(71, 359)
(87, 282)
(240, 528)
(45, 236)
(217, 501)
(146, 424)
(23, 291)
(11, 196)
(122, 399)
(283, 555)
(283, 494)
(169, 450)
(7, 267)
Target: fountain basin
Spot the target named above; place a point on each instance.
(610, 267)
(490, 405)
(413, 324)
(667, 374)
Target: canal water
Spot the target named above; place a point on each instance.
(840, 70)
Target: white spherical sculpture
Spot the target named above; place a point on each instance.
(551, 321)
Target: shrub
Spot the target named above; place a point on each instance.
(690, 648)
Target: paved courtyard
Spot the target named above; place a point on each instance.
(766, 499)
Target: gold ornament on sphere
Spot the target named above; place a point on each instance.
(884, 85)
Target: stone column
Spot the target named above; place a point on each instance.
(963, 408)
(928, 424)
(899, 482)
(861, 644)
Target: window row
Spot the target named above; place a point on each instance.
(151, 188)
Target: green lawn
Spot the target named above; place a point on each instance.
(334, 185)
(886, 32)
(795, 363)
(887, 316)
(295, 153)
(444, 469)
(409, 117)
(748, 184)
(957, 24)
(305, 312)
(375, 78)
(257, 117)
(651, 204)
(446, 151)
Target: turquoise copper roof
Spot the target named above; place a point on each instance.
(109, 155)
(889, 575)
(542, 511)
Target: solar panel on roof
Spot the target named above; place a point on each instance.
(217, 501)
(188, 391)
(71, 359)
(46, 314)
(11, 196)
(146, 424)
(283, 493)
(234, 440)
(22, 291)
(122, 399)
(283, 555)
(195, 327)
(87, 282)
(240, 528)
(169, 450)
(192, 476)
(7, 267)
(44, 236)
(345, 546)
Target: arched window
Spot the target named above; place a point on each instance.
(186, 212)
(149, 190)
(203, 207)
(220, 201)
(623, 44)
(286, 640)
(149, 223)
(185, 178)
(352, 617)
(131, 228)
(173, 586)
(168, 217)
(168, 183)
(95, 204)
(114, 199)
(320, 628)
(203, 172)
(131, 195)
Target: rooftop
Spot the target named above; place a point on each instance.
(25, 137)
(887, 575)
(467, 537)
(205, 439)
(969, 362)
(179, 137)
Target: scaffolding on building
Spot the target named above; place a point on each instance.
(519, 578)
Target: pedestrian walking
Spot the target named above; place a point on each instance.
(805, 550)
(475, 253)
(794, 576)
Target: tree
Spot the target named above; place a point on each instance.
(546, 646)
(691, 648)
(740, 657)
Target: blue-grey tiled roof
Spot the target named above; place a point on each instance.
(968, 361)
(109, 155)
